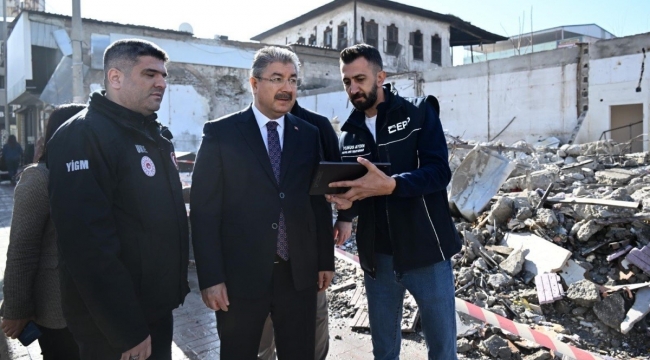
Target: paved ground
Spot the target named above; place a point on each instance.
(195, 334)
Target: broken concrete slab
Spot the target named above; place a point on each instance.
(546, 218)
(476, 180)
(615, 176)
(499, 281)
(638, 311)
(549, 288)
(542, 256)
(493, 345)
(513, 263)
(611, 310)
(584, 293)
(572, 272)
(588, 229)
(539, 179)
(501, 211)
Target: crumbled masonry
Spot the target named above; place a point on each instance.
(575, 216)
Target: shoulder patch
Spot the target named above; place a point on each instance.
(148, 166)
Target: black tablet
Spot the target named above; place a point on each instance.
(329, 172)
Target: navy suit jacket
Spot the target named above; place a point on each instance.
(236, 201)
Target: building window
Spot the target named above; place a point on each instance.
(342, 36)
(2, 81)
(371, 33)
(312, 39)
(391, 39)
(327, 37)
(301, 40)
(436, 50)
(416, 42)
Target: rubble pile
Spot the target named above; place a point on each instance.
(562, 246)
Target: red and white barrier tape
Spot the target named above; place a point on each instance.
(503, 323)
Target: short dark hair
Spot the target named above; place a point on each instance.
(365, 51)
(61, 114)
(124, 54)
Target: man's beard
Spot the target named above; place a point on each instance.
(371, 99)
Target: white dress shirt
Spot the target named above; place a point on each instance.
(261, 122)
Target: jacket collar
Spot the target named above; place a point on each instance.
(358, 118)
(122, 116)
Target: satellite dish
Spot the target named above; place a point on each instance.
(185, 27)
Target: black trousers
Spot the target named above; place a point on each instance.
(293, 314)
(94, 346)
(57, 344)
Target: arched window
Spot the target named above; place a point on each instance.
(342, 36)
(392, 36)
(327, 37)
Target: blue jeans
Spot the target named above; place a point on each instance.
(432, 287)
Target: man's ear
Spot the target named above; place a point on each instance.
(253, 82)
(115, 78)
(381, 76)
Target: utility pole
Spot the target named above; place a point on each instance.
(77, 64)
(4, 60)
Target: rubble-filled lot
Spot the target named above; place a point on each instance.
(559, 243)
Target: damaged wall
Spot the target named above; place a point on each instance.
(615, 70)
(539, 90)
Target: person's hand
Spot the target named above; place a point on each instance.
(373, 183)
(216, 297)
(141, 351)
(339, 202)
(13, 328)
(342, 232)
(324, 280)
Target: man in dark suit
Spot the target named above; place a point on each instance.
(329, 142)
(262, 244)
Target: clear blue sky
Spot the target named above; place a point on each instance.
(242, 19)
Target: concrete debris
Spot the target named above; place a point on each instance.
(614, 177)
(542, 256)
(476, 180)
(501, 211)
(565, 219)
(611, 310)
(572, 272)
(638, 311)
(495, 346)
(584, 293)
(540, 355)
(514, 263)
(499, 281)
(546, 218)
(587, 229)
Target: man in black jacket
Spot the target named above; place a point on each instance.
(117, 206)
(405, 235)
(330, 147)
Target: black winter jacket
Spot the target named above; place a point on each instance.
(117, 205)
(420, 227)
(329, 141)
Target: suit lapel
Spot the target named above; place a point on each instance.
(250, 130)
(290, 144)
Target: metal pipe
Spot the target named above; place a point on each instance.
(77, 64)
